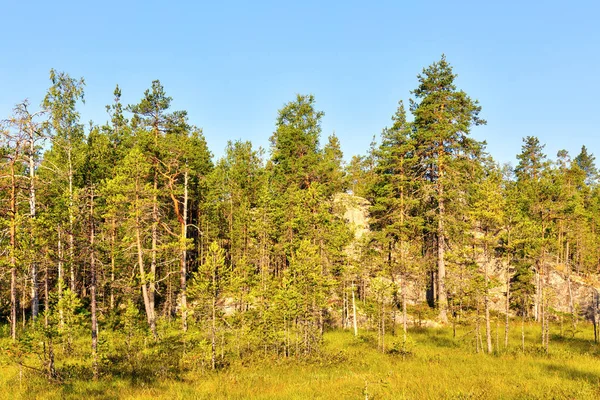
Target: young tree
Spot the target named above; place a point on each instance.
(207, 286)
(486, 212)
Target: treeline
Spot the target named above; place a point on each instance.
(101, 224)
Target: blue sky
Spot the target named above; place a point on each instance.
(534, 67)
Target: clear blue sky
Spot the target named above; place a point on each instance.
(533, 65)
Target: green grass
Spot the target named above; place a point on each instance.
(439, 367)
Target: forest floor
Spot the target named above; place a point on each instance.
(440, 365)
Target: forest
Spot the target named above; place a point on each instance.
(134, 263)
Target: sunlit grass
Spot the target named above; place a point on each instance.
(438, 366)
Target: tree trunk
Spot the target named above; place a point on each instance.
(51, 371)
(71, 224)
(441, 244)
(148, 304)
(486, 299)
(213, 333)
(93, 291)
(153, 252)
(354, 322)
(595, 298)
(183, 279)
(382, 324)
(571, 304)
(477, 329)
(46, 299)
(546, 302)
(61, 278)
(35, 302)
(12, 250)
(404, 316)
(507, 310)
(536, 297)
(113, 233)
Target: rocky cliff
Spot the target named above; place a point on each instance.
(568, 292)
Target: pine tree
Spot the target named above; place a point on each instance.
(207, 287)
(486, 212)
(586, 162)
(65, 158)
(443, 118)
(151, 114)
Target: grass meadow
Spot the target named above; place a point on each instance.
(439, 365)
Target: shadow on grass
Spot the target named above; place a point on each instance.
(574, 374)
(579, 345)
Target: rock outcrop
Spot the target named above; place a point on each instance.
(568, 292)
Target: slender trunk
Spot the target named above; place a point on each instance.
(153, 251)
(498, 333)
(354, 322)
(184, 254)
(213, 333)
(404, 271)
(148, 304)
(344, 311)
(543, 320)
(13, 248)
(571, 304)
(595, 315)
(145, 296)
(441, 276)
(61, 278)
(404, 316)
(486, 299)
(477, 330)
(93, 291)
(46, 299)
(393, 279)
(547, 326)
(35, 302)
(546, 301)
(152, 283)
(383, 325)
(507, 310)
(71, 224)
(536, 297)
(113, 233)
(441, 247)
